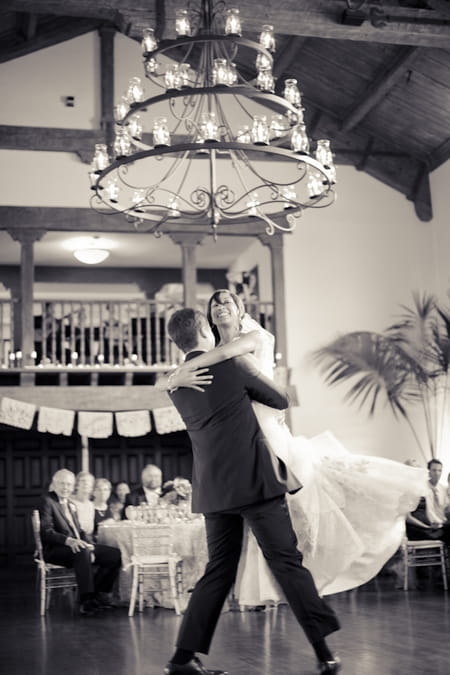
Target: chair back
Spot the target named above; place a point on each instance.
(36, 524)
(152, 540)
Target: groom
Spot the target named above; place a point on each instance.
(237, 477)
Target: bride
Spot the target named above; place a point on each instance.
(350, 514)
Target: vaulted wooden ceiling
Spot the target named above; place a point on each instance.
(375, 76)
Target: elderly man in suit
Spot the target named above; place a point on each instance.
(150, 490)
(237, 478)
(65, 543)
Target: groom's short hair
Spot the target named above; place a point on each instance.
(184, 326)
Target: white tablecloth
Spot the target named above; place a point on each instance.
(189, 539)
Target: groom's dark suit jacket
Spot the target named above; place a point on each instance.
(233, 463)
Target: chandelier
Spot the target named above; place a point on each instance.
(218, 148)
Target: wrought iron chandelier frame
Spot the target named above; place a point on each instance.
(200, 95)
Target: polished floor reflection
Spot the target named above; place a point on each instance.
(384, 631)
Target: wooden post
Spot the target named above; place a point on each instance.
(107, 34)
(24, 340)
(188, 242)
(275, 243)
(84, 453)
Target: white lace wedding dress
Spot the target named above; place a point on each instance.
(349, 516)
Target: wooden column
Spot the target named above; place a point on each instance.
(275, 243)
(24, 327)
(107, 34)
(85, 453)
(188, 242)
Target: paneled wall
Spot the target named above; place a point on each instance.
(28, 460)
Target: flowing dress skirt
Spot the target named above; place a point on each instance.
(349, 517)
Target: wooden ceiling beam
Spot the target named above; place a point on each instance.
(27, 25)
(440, 155)
(385, 80)
(82, 141)
(389, 23)
(57, 219)
(50, 139)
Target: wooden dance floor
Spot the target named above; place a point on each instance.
(384, 631)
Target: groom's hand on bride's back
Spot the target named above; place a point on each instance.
(191, 378)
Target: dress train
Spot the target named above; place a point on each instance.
(349, 516)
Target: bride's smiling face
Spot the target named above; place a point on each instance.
(224, 310)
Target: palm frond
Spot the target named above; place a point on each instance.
(379, 365)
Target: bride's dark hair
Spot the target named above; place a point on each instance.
(216, 298)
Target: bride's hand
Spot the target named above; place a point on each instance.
(185, 376)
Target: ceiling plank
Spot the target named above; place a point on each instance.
(385, 80)
(286, 57)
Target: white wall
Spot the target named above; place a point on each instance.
(349, 267)
(256, 255)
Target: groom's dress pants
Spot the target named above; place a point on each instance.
(272, 526)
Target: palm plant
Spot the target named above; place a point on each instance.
(406, 366)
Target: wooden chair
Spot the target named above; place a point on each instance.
(423, 553)
(49, 576)
(154, 559)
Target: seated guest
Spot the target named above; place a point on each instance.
(150, 490)
(177, 491)
(65, 543)
(82, 496)
(429, 520)
(447, 510)
(437, 498)
(102, 493)
(117, 499)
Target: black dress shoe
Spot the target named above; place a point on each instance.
(88, 608)
(329, 667)
(102, 601)
(192, 667)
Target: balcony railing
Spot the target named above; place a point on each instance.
(73, 333)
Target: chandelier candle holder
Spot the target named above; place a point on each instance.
(210, 147)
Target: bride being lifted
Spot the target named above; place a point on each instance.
(350, 514)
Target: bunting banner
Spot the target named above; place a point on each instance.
(61, 422)
(133, 423)
(168, 420)
(95, 424)
(56, 421)
(17, 413)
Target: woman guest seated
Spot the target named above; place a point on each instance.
(82, 496)
(102, 493)
(117, 499)
(177, 491)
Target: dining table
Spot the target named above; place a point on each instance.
(189, 543)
